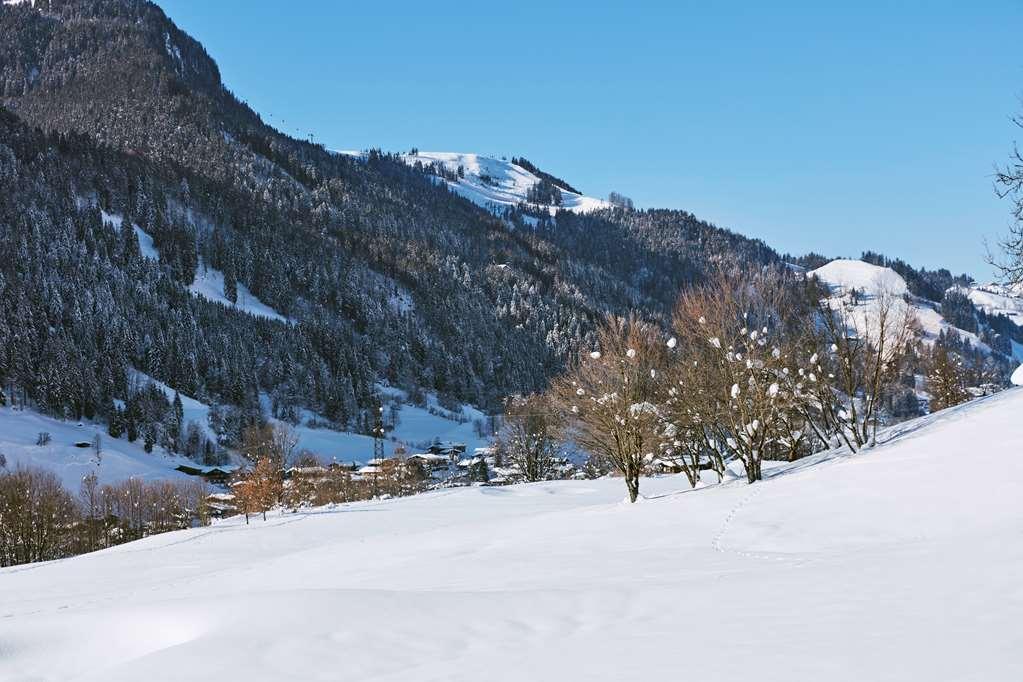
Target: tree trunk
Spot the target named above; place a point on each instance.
(632, 483)
(753, 471)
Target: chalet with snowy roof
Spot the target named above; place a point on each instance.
(379, 466)
(310, 472)
(466, 462)
(453, 451)
(430, 460)
(221, 505)
(214, 474)
(664, 465)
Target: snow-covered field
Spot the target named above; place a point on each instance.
(901, 563)
(494, 184)
(19, 430)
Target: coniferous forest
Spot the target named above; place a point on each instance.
(115, 127)
(109, 109)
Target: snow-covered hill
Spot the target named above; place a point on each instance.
(996, 299)
(119, 459)
(893, 564)
(868, 280)
(494, 184)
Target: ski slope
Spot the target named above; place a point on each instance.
(209, 283)
(494, 184)
(146, 245)
(900, 563)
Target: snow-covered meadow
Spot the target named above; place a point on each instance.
(118, 460)
(417, 427)
(899, 563)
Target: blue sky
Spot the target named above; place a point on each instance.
(812, 126)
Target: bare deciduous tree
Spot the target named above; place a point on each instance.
(259, 489)
(1009, 184)
(274, 445)
(89, 495)
(528, 438)
(607, 395)
(726, 398)
(36, 517)
(856, 352)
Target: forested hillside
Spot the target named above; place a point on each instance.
(129, 171)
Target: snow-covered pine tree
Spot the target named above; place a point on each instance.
(946, 379)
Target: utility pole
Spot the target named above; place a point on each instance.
(378, 449)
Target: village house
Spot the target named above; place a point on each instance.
(217, 475)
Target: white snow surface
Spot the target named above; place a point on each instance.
(846, 274)
(146, 245)
(209, 283)
(494, 184)
(894, 564)
(996, 299)
(120, 460)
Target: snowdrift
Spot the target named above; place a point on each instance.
(900, 563)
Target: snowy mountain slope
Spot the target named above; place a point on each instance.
(884, 565)
(209, 282)
(995, 299)
(494, 184)
(843, 276)
(120, 460)
(416, 429)
(146, 245)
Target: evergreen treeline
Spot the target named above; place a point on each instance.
(544, 176)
